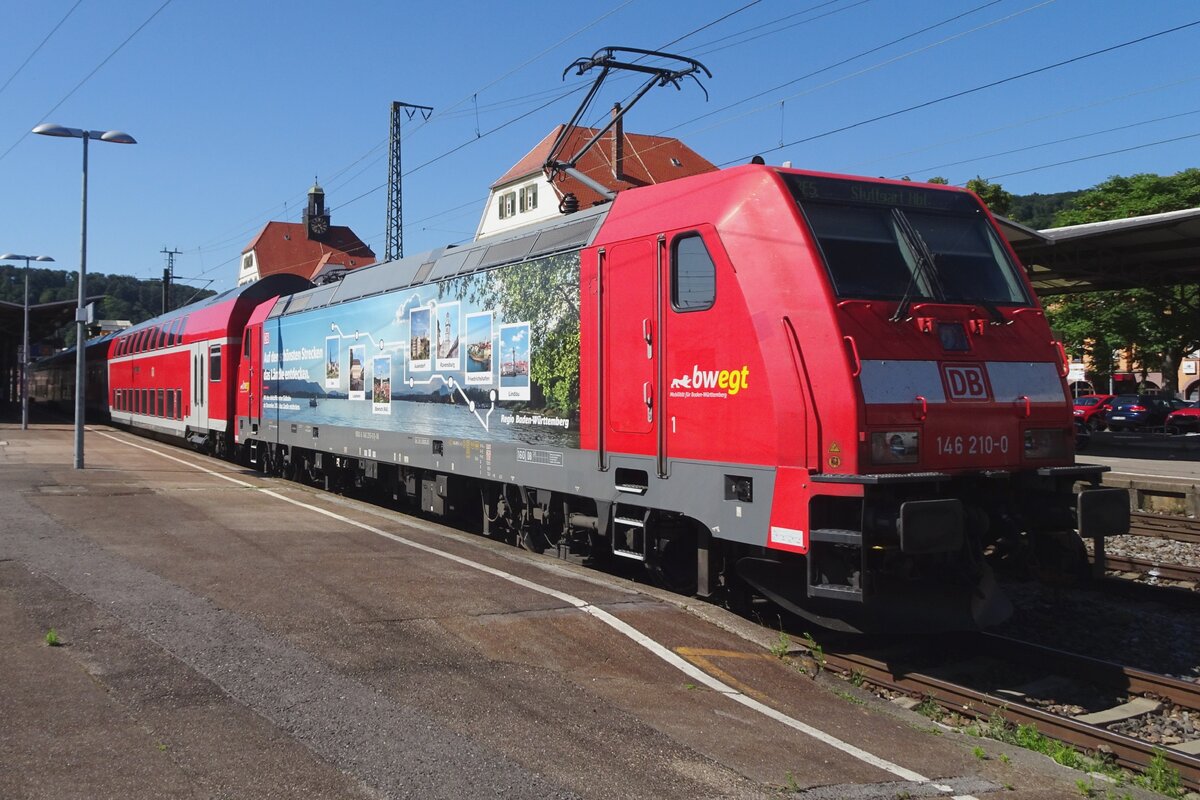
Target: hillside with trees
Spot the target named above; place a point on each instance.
(125, 297)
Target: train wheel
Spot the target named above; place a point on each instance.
(673, 565)
(1061, 558)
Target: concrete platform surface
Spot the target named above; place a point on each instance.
(228, 635)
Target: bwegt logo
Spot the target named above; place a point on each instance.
(731, 381)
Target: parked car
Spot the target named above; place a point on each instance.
(1091, 408)
(1183, 420)
(1135, 412)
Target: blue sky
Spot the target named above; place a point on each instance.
(238, 105)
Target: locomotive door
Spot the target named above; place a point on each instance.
(630, 328)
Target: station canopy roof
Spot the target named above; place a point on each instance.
(44, 318)
(1138, 252)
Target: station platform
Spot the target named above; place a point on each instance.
(229, 635)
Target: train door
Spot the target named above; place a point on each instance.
(630, 291)
(198, 419)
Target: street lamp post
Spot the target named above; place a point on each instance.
(25, 342)
(116, 137)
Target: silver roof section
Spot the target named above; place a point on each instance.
(523, 244)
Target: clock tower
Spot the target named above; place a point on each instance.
(316, 218)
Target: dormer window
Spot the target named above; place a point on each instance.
(508, 204)
(528, 197)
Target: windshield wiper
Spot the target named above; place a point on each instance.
(997, 317)
(923, 262)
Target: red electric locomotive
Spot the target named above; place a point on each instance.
(837, 392)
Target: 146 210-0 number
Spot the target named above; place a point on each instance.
(971, 445)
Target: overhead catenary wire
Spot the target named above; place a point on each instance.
(963, 93)
(40, 45)
(561, 94)
(87, 77)
(1026, 121)
(1050, 143)
(1094, 156)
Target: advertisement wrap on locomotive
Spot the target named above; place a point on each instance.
(449, 359)
(835, 392)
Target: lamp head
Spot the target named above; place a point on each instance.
(117, 137)
(52, 129)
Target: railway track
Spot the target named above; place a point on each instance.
(1163, 526)
(973, 684)
(1152, 569)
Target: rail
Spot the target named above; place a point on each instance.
(1129, 752)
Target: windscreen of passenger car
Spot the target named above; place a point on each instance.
(881, 241)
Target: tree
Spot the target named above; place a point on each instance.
(992, 195)
(125, 297)
(1134, 196)
(1037, 210)
(1158, 325)
(544, 293)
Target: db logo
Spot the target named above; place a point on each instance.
(965, 382)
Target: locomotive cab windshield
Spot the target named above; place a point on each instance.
(907, 244)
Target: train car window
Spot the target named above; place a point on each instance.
(170, 404)
(693, 274)
(161, 406)
(214, 363)
(142, 404)
(178, 404)
(173, 333)
(246, 345)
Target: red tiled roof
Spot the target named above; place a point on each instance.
(285, 247)
(648, 159)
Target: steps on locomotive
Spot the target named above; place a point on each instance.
(629, 531)
(818, 537)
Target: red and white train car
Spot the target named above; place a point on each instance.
(176, 375)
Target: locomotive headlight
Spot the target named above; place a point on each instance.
(1045, 443)
(895, 447)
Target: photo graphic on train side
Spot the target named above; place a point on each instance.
(449, 354)
(419, 345)
(358, 370)
(514, 361)
(479, 349)
(381, 384)
(333, 362)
